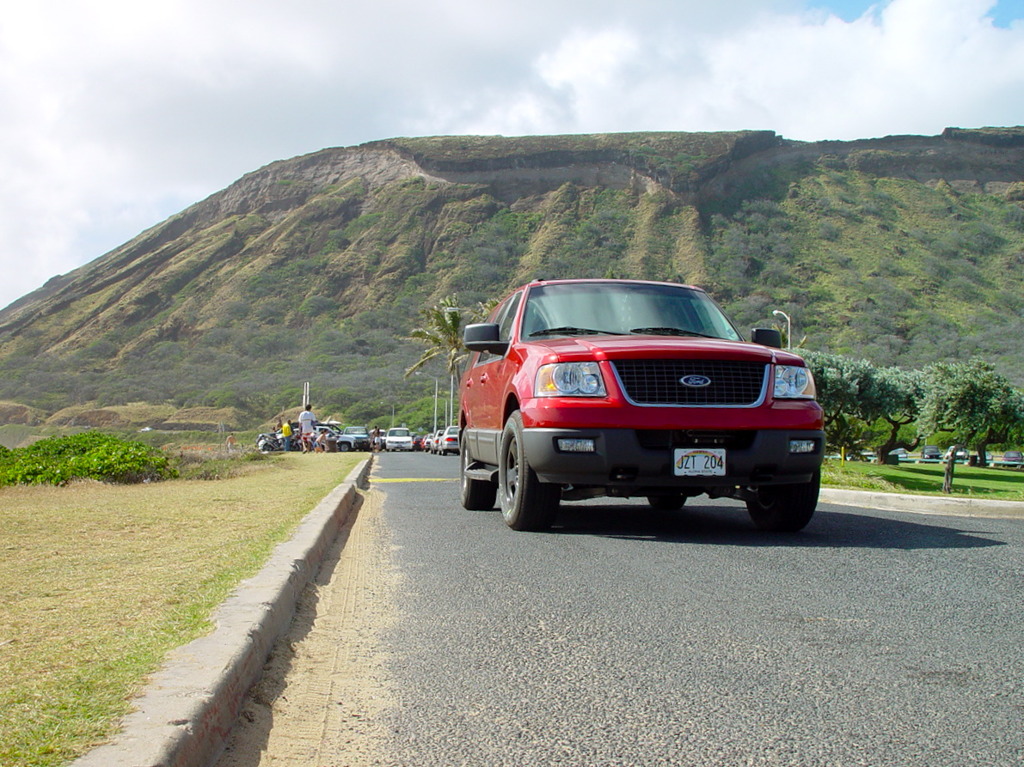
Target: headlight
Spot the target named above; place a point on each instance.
(792, 382)
(570, 379)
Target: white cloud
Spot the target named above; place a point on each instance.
(115, 114)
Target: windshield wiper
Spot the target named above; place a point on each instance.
(568, 330)
(668, 332)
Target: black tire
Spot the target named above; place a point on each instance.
(477, 495)
(666, 502)
(344, 447)
(784, 508)
(526, 502)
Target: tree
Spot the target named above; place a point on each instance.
(976, 404)
(441, 333)
(852, 389)
(839, 381)
(894, 395)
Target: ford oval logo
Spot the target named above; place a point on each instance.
(695, 381)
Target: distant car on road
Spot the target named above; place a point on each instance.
(435, 442)
(449, 441)
(398, 438)
(931, 453)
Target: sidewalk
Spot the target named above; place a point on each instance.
(924, 504)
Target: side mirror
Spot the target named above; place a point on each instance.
(483, 337)
(767, 337)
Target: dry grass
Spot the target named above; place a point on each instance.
(99, 582)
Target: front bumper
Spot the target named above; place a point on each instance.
(630, 462)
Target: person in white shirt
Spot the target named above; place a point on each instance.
(307, 425)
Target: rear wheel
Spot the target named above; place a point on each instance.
(784, 508)
(477, 494)
(344, 447)
(526, 502)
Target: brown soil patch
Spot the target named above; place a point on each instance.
(324, 688)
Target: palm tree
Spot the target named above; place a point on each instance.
(441, 334)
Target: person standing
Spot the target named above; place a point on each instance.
(286, 434)
(307, 425)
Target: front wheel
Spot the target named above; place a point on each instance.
(477, 494)
(344, 447)
(526, 502)
(784, 508)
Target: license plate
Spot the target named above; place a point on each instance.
(699, 462)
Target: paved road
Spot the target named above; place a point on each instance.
(628, 637)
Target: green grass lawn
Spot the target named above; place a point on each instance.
(98, 582)
(925, 479)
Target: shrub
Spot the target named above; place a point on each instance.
(91, 455)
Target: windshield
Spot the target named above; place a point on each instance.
(623, 308)
(398, 433)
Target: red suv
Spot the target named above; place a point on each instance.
(582, 388)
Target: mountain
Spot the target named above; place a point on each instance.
(902, 250)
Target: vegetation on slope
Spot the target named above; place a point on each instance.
(311, 270)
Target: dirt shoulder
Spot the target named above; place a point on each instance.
(324, 687)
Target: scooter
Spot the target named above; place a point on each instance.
(269, 443)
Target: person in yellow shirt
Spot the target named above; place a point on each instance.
(286, 434)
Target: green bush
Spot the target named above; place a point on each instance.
(91, 455)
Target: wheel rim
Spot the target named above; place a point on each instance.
(511, 473)
(464, 460)
(766, 499)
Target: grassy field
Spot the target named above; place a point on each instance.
(926, 479)
(98, 582)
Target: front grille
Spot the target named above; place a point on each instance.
(657, 382)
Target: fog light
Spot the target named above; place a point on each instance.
(576, 445)
(803, 445)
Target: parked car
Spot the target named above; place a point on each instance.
(931, 453)
(961, 454)
(354, 438)
(449, 441)
(582, 388)
(1013, 456)
(398, 438)
(435, 442)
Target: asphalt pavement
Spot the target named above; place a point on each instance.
(184, 716)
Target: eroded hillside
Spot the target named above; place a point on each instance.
(904, 250)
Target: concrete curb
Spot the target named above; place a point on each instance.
(923, 504)
(188, 708)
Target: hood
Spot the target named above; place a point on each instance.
(643, 346)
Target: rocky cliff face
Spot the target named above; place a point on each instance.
(353, 241)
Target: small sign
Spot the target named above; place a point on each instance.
(699, 462)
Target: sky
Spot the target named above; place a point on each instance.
(116, 114)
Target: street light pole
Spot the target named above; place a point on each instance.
(789, 327)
